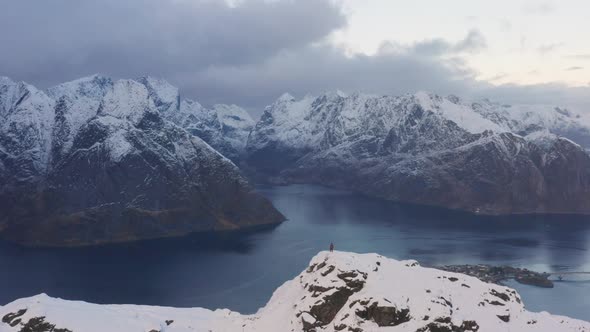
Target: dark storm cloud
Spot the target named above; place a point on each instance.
(317, 69)
(321, 68)
(50, 41)
(248, 54)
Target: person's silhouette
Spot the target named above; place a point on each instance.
(331, 247)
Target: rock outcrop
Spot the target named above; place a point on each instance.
(338, 292)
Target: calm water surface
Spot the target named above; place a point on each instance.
(240, 272)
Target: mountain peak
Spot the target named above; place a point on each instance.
(165, 95)
(286, 97)
(338, 291)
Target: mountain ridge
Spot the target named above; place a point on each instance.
(95, 161)
(338, 291)
(426, 149)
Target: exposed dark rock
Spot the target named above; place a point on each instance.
(328, 270)
(330, 305)
(505, 318)
(470, 325)
(9, 317)
(497, 303)
(338, 327)
(444, 324)
(38, 324)
(350, 278)
(500, 295)
(385, 316)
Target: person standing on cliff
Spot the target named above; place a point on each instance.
(331, 247)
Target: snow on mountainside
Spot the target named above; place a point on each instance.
(96, 160)
(427, 149)
(301, 123)
(26, 120)
(338, 292)
(224, 127)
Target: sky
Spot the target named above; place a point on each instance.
(524, 41)
(249, 52)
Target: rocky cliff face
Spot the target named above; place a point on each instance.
(337, 292)
(95, 161)
(224, 127)
(426, 149)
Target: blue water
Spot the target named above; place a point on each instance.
(240, 271)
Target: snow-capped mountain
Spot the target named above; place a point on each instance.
(338, 292)
(224, 127)
(427, 149)
(96, 160)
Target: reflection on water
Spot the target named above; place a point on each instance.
(241, 271)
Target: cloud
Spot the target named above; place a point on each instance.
(505, 24)
(314, 69)
(548, 48)
(536, 7)
(497, 77)
(557, 94)
(473, 42)
(248, 52)
(579, 56)
(574, 68)
(64, 39)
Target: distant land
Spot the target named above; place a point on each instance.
(98, 160)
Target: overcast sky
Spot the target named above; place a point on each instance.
(249, 52)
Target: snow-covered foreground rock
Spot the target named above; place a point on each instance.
(427, 149)
(339, 291)
(97, 160)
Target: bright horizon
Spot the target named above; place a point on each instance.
(525, 41)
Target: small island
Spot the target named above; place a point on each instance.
(496, 274)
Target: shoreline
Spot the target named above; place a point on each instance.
(496, 274)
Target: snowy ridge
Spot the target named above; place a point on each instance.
(224, 127)
(26, 122)
(108, 161)
(426, 149)
(302, 123)
(339, 291)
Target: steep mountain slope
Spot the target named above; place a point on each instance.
(338, 292)
(94, 161)
(224, 127)
(425, 149)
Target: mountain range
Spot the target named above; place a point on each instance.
(426, 149)
(98, 160)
